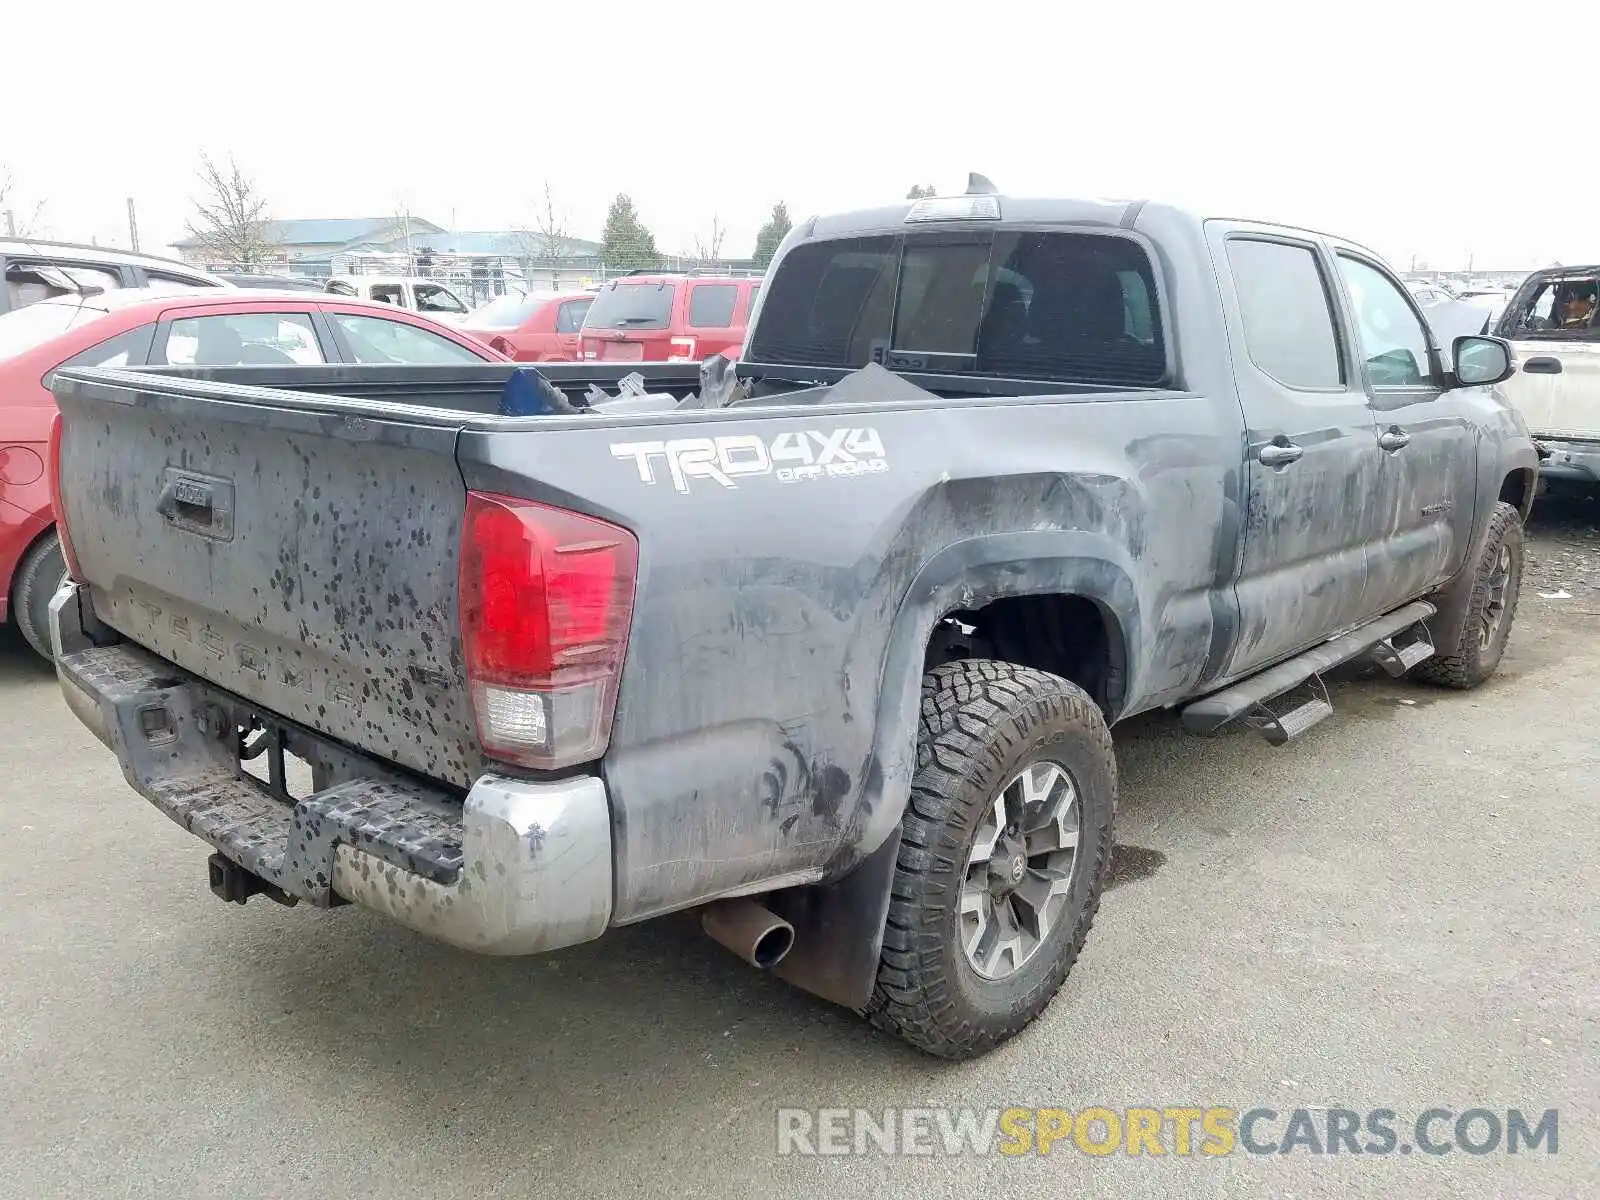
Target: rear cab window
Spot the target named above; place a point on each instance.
(625, 305)
(1022, 304)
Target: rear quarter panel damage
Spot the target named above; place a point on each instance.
(766, 722)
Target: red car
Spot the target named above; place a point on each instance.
(669, 318)
(141, 327)
(539, 327)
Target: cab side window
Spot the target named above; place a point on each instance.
(432, 298)
(1394, 343)
(1287, 312)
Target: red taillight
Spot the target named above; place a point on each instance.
(546, 600)
(54, 455)
(682, 350)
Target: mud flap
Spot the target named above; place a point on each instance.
(838, 929)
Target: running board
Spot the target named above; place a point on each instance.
(1249, 696)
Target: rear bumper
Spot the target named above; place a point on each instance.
(1569, 461)
(514, 867)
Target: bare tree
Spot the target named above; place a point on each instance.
(14, 223)
(230, 221)
(546, 236)
(709, 248)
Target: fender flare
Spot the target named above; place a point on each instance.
(839, 923)
(1451, 601)
(970, 574)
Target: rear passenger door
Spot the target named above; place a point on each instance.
(1312, 466)
(1428, 452)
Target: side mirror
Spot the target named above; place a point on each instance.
(1480, 361)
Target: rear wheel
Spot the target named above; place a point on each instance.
(39, 575)
(1004, 851)
(1496, 582)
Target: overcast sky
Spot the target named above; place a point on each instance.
(1421, 127)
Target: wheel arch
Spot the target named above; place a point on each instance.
(1038, 568)
(1517, 489)
(839, 924)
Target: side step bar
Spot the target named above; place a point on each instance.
(1249, 696)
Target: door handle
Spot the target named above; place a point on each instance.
(1279, 454)
(1542, 366)
(1394, 438)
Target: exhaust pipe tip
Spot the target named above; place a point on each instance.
(758, 936)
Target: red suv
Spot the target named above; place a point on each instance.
(652, 317)
(538, 327)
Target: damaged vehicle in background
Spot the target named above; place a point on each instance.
(34, 270)
(1555, 341)
(826, 645)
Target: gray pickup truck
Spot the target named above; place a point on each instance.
(825, 646)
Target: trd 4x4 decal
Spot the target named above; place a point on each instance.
(793, 457)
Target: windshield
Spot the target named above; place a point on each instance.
(504, 312)
(24, 328)
(624, 305)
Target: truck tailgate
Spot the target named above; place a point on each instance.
(300, 551)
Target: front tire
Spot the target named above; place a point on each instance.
(39, 576)
(1005, 846)
(1496, 582)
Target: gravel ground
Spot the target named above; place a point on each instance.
(1398, 912)
(1564, 554)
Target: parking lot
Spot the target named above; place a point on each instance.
(1399, 912)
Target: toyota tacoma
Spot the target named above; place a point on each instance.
(827, 645)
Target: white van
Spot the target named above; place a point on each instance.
(404, 291)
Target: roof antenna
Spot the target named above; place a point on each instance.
(979, 185)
